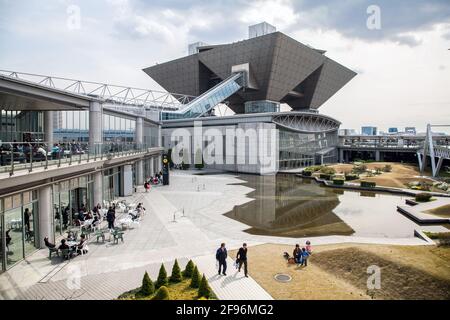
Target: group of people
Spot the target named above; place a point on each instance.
(78, 248)
(241, 259)
(157, 179)
(300, 255)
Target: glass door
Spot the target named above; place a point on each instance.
(14, 236)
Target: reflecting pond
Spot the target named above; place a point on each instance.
(289, 206)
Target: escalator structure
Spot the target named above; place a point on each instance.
(204, 103)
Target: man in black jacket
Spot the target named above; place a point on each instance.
(241, 258)
(221, 256)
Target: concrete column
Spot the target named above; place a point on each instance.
(126, 189)
(152, 166)
(95, 126)
(377, 155)
(45, 215)
(48, 129)
(139, 138)
(139, 134)
(98, 188)
(140, 172)
(159, 163)
(341, 155)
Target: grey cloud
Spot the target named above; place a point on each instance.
(397, 17)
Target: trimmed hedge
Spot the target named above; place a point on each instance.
(423, 197)
(147, 288)
(339, 182)
(350, 177)
(162, 294)
(368, 184)
(307, 173)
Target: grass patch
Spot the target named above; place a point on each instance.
(177, 291)
(442, 211)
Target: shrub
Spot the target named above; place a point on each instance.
(387, 168)
(368, 184)
(187, 273)
(360, 168)
(327, 170)
(350, 177)
(307, 173)
(195, 279)
(378, 170)
(162, 277)
(339, 182)
(325, 176)
(204, 290)
(423, 197)
(162, 294)
(148, 288)
(313, 168)
(176, 273)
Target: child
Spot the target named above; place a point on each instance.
(308, 247)
(305, 256)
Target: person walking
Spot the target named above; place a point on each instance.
(297, 251)
(221, 256)
(241, 257)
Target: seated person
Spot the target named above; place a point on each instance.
(80, 245)
(48, 244)
(63, 245)
(89, 215)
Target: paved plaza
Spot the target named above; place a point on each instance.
(183, 221)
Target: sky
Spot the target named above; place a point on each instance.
(399, 48)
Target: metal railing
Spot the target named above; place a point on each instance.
(16, 156)
(115, 94)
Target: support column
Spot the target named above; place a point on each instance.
(98, 188)
(152, 166)
(126, 188)
(48, 129)
(341, 155)
(377, 155)
(45, 215)
(95, 127)
(139, 137)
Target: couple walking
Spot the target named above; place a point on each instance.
(241, 259)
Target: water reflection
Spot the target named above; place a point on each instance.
(289, 206)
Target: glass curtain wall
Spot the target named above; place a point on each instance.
(68, 198)
(151, 135)
(297, 150)
(21, 126)
(71, 126)
(118, 129)
(19, 227)
(111, 184)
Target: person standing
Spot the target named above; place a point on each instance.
(221, 256)
(110, 217)
(305, 256)
(241, 257)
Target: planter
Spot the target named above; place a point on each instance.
(368, 184)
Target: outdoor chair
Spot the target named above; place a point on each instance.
(117, 235)
(99, 234)
(52, 251)
(65, 254)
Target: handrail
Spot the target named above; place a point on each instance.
(14, 157)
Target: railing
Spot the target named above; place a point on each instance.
(16, 156)
(111, 93)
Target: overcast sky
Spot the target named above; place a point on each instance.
(403, 67)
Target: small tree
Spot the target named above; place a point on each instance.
(148, 288)
(162, 294)
(195, 280)
(187, 273)
(204, 290)
(176, 273)
(162, 277)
